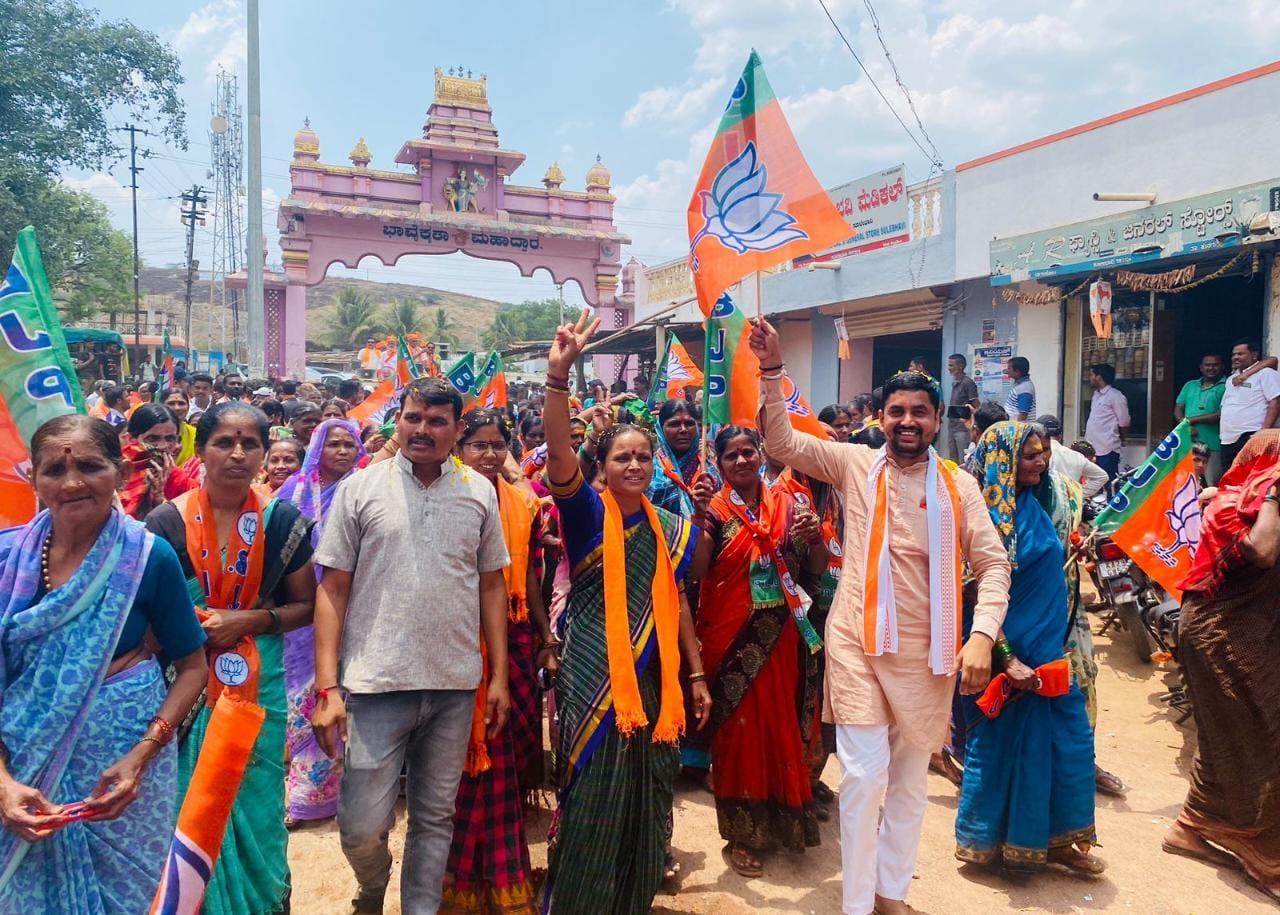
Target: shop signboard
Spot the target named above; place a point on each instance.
(875, 207)
(1165, 230)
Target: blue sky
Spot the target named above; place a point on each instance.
(641, 83)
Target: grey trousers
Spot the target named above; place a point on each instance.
(957, 440)
(431, 728)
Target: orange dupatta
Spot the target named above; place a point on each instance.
(227, 585)
(627, 705)
(517, 512)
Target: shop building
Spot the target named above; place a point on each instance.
(1183, 227)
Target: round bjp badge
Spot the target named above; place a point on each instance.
(231, 668)
(247, 527)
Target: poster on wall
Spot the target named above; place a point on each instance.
(989, 331)
(991, 370)
(875, 207)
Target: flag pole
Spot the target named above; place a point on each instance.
(759, 300)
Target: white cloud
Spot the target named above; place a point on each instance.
(214, 33)
(673, 105)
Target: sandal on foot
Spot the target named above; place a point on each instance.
(741, 860)
(1209, 855)
(671, 868)
(1108, 784)
(1077, 861)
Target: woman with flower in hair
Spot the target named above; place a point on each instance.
(625, 628)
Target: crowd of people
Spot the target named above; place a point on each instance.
(418, 599)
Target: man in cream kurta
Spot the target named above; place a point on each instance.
(890, 710)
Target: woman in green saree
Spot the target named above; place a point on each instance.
(624, 628)
(248, 563)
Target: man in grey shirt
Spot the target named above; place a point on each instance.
(413, 554)
(960, 407)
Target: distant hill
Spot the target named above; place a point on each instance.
(164, 288)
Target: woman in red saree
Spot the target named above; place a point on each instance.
(757, 648)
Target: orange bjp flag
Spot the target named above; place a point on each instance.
(1155, 517)
(756, 204)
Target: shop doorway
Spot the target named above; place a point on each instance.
(892, 353)
(1209, 319)
(1156, 345)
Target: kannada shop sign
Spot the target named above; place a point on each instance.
(1205, 223)
(875, 207)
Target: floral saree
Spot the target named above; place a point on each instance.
(757, 670)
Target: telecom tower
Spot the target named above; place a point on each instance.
(226, 149)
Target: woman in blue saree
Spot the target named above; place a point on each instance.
(86, 593)
(1028, 792)
(675, 462)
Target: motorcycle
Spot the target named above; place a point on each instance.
(1125, 590)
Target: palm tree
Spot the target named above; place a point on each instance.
(443, 332)
(506, 329)
(402, 318)
(354, 318)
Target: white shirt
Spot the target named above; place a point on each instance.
(1244, 407)
(1108, 414)
(1075, 466)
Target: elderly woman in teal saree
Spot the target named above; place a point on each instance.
(86, 720)
(1028, 792)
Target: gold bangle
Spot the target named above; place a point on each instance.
(695, 677)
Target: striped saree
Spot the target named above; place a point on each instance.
(610, 834)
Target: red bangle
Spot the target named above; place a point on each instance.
(324, 693)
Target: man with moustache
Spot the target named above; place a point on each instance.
(894, 631)
(413, 554)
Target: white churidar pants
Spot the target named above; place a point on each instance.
(877, 763)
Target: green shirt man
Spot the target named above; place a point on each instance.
(1200, 402)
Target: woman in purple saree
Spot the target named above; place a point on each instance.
(313, 779)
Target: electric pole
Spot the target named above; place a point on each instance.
(193, 203)
(134, 168)
(256, 356)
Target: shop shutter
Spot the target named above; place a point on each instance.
(899, 318)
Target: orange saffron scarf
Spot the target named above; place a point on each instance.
(516, 508)
(228, 585)
(627, 705)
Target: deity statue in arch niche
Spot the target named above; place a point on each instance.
(462, 193)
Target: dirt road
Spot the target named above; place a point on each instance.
(1137, 739)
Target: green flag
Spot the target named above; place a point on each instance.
(37, 375)
(463, 377)
(731, 387)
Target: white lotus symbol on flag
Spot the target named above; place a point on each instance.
(1184, 521)
(741, 213)
(676, 370)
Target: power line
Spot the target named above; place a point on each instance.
(914, 139)
(906, 93)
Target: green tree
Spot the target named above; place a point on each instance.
(402, 318)
(355, 318)
(67, 75)
(528, 321)
(89, 263)
(442, 331)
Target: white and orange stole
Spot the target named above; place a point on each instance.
(879, 605)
